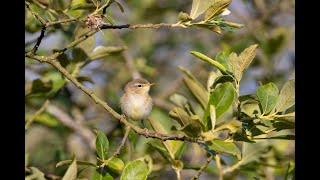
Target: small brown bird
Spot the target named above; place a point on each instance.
(135, 102)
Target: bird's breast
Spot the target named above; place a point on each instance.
(137, 106)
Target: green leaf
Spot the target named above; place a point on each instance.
(211, 27)
(211, 61)
(222, 79)
(78, 55)
(252, 152)
(135, 170)
(251, 108)
(224, 147)
(222, 98)
(96, 3)
(213, 117)
(116, 164)
(268, 96)
(180, 115)
(103, 51)
(287, 96)
(198, 91)
(199, 7)
(232, 125)
(83, 163)
(46, 119)
(71, 172)
(109, 19)
(179, 100)
(246, 97)
(241, 135)
(102, 145)
(231, 24)
(217, 8)
(41, 86)
(211, 78)
(281, 125)
(50, 16)
(223, 58)
(290, 170)
(101, 174)
(87, 45)
(161, 149)
(184, 17)
(75, 11)
(192, 129)
(242, 62)
(180, 150)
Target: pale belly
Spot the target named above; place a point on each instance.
(137, 107)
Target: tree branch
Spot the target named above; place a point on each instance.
(203, 167)
(97, 100)
(117, 152)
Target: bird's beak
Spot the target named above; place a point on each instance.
(150, 84)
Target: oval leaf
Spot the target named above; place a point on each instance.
(71, 172)
(268, 96)
(222, 98)
(217, 8)
(225, 147)
(102, 145)
(287, 96)
(211, 61)
(197, 90)
(179, 100)
(116, 164)
(135, 170)
(84, 163)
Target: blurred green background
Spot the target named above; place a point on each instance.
(157, 53)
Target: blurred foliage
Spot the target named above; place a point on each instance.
(230, 85)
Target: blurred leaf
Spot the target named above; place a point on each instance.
(281, 125)
(109, 19)
(101, 174)
(285, 137)
(161, 149)
(290, 170)
(103, 51)
(78, 55)
(184, 17)
(211, 61)
(181, 148)
(192, 129)
(41, 86)
(135, 170)
(198, 91)
(252, 152)
(86, 6)
(179, 100)
(199, 7)
(96, 2)
(231, 24)
(46, 119)
(71, 172)
(120, 6)
(116, 164)
(83, 163)
(49, 16)
(102, 145)
(35, 174)
(287, 96)
(180, 115)
(217, 8)
(222, 98)
(63, 59)
(224, 147)
(268, 96)
(76, 11)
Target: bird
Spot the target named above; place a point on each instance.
(136, 103)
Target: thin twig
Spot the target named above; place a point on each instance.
(35, 48)
(203, 167)
(31, 119)
(97, 100)
(117, 152)
(61, 21)
(39, 4)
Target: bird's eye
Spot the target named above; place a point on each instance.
(139, 85)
